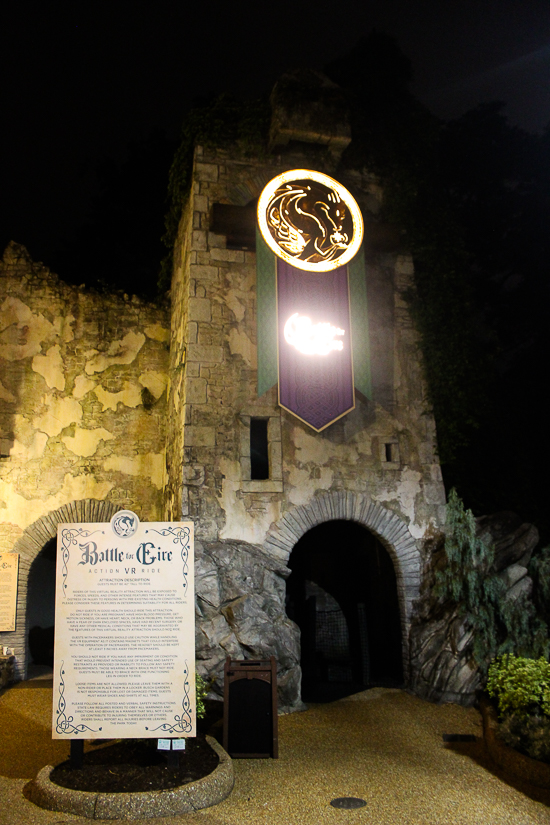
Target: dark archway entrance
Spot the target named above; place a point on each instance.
(41, 605)
(342, 594)
(33, 543)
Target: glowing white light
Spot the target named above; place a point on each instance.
(312, 339)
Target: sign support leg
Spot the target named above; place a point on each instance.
(173, 758)
(77, 754)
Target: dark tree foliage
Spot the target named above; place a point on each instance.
(396, 137)
(539, 570)
(468, 580)
(375, 70)
(497, 180)
(473, 198)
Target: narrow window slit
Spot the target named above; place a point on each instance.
(259, 456)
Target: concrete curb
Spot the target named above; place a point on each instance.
(514, 763)
(205, 792)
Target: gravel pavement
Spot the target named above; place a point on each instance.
(382, 746)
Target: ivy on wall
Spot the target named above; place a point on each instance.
(223, 120)
(457, 350)
(399, 141)
(468, 579)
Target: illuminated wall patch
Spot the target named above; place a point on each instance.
(310, 220)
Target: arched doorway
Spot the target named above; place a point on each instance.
(41, 606)
(390, 529)
(342, 593)
(34, 541)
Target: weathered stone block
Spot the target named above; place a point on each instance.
(196, 391)
(206, 172)
(198, 239)
(203, 272)
(200, 203)
(193, 475)
(274, 428)
(275, 460)
(205, 352)
(200, 309)
(199, 436)
(228, 255)
(263, 486)
(404, 265)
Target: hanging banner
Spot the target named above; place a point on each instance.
(314, 227)
(266, 314)
(315, 360)
(124, 655)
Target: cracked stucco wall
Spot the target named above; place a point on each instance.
(83, 382)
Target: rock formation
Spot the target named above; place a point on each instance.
(240, 605)
(442, 663)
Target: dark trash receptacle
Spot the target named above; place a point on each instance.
(250, 727)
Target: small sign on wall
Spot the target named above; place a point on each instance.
(124, 658)
(9, 566)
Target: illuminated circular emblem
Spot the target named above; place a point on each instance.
(310, 220)
(124, 524)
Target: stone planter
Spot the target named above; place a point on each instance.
(205, 792)
(514, 763)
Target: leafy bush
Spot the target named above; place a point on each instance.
(201, 690)
(521, 686)
(539, 570)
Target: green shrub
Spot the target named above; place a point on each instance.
(521, 686)
(201, 689)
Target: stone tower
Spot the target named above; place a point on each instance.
(376, 466)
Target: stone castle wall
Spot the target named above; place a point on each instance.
(83, 387)
(214, 324)
(83, 381)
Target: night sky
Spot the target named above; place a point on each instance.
(93, 97)
(81, 81)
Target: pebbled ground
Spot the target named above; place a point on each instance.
(382, 745)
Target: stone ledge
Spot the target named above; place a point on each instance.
(205, 792)
(265, 486)
(513, 762)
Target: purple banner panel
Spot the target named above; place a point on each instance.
(314, 339)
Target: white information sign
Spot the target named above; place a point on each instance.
(9, 565)
(124, 656)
